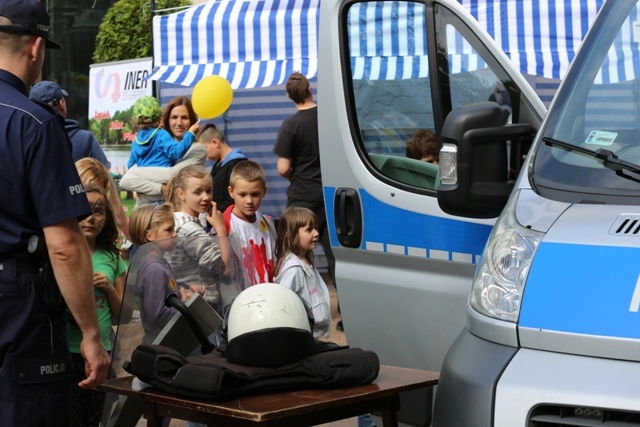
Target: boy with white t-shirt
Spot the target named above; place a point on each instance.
(248, 186)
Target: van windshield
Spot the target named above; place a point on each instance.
(590, 150)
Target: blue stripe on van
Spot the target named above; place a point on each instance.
(394, 230)
(582, 289)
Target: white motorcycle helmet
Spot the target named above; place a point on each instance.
(268, 325)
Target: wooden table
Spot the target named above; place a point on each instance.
(294, 409)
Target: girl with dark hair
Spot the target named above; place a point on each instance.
(297, 238)
(178, 117)
(101, 232)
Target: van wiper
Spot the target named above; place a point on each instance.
(608, 157)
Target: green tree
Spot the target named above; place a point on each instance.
(125, 31)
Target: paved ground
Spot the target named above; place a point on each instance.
(336, 336)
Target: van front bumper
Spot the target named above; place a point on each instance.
(483, 384)
(466, 391)
(542, 386)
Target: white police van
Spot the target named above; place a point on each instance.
(404, 266)
(553, 329)
(552, 326)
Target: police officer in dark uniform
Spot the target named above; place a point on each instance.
(41, 200)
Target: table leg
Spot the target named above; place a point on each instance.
(389, 418)
(151, 415)
(389, 411)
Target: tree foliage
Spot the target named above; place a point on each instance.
(125, 31)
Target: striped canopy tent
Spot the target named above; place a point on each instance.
(542, 44)
(383, 49)
(250, 43)
(259, 43)
(540, 37)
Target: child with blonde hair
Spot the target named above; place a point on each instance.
(91, 171)
(155, 278)
(297, 238)
(190, 191)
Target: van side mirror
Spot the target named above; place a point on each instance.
(474, 161)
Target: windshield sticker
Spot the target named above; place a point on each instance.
(601, 137)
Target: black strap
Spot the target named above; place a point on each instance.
(25, 264)
(9, 270)
(12, 266)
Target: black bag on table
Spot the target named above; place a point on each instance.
(213, 377)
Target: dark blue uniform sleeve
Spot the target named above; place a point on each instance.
(55, 186)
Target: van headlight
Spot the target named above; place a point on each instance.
(502, 273)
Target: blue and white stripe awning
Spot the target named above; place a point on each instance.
(250, 43)
(384, 49)
(622, 62)
(255, 43)
(541, 36)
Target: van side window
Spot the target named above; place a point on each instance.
(387, 44)
(470, 78)
(388, 50)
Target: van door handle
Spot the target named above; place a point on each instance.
(347, 212)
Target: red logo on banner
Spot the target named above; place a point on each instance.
(101, 115)
(129, 136)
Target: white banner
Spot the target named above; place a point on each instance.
(113, 89)
(115, 86)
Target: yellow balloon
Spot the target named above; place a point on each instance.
(211, 97)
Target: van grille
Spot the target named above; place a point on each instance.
(626, 225)
(570, 416)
